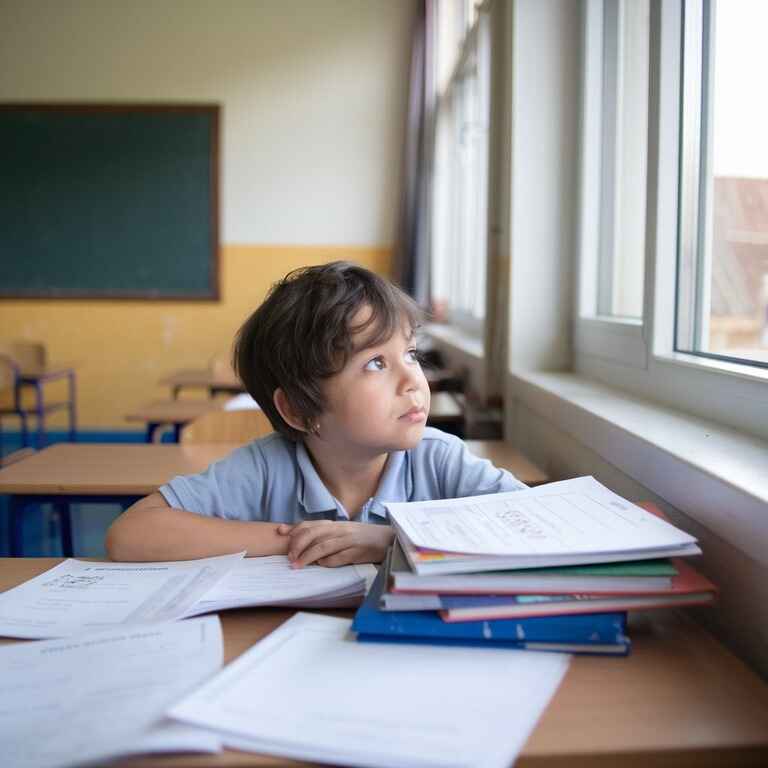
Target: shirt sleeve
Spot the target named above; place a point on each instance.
(231, 488)
(464, 474)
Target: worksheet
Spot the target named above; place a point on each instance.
(568, 517)
(79, 596)
(310, 691)
(101, 695)
(270, 580)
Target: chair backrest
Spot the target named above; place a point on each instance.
(28, 355)
(227, 427)
(8, 373)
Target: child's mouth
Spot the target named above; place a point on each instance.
(414, 415)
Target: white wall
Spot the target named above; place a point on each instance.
(312, 92)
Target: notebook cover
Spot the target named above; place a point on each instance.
(606, 628)
(591, 649)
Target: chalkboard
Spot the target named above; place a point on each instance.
(109, 201)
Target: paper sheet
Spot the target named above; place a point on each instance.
(76, 700)
(310, 691)
(568, 517)
(271, 581)
(79, 596)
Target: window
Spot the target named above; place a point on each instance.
(722, 290)
(673, 156)
(460, 210)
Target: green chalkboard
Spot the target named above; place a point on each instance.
(109, 201)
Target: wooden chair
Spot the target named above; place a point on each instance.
(226, 427)
(23, 365)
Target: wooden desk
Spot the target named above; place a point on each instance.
(504, 455)
(80, 473)
(202, 378)
(176, 413)
(680, 699)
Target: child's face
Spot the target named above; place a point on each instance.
(379, 401)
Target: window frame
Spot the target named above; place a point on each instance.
(640, 357)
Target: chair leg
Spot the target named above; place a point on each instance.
(40, 411)
(24, 430)
(72, 408)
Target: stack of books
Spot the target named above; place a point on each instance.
(551, 568)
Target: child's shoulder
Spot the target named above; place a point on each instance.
(272, 447)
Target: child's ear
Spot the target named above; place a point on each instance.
(286, 410)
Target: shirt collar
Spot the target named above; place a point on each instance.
(314, 497)
(394, 483)
(312, 494)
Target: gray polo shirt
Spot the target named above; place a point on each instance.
(274, 480)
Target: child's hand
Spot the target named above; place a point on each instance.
(330, 543)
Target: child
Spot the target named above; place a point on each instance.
(330, 358)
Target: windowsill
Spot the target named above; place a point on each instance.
(713, 474)
(457, 338)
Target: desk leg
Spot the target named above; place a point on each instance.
(40, 411)
(72, 407)
(62, 511)
(24, 430)
(151, 429)
(16, 506)
(177, 432)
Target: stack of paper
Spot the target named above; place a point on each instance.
(556, 566)
(104, 694)
(271, 581)
(309, 692)
(571, 522)
(79, 596)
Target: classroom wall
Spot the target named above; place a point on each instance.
(313, 96)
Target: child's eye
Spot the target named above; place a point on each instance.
(375, 364)
(413, 356)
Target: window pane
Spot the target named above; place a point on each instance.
(723, 274)
(624, 142)
(459, 224)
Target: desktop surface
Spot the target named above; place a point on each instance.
(679, 699)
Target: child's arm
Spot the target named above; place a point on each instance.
(151, 530)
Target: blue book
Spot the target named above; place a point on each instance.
(581, 632)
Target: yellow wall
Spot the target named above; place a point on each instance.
(123, 348)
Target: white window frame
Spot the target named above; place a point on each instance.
(639, 356)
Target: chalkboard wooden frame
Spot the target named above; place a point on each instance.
(207, 287)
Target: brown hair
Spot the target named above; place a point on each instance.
(302, 334)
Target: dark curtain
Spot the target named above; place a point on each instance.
(411, 266)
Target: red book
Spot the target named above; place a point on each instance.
(689, 587)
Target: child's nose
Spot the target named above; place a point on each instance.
(410, 377)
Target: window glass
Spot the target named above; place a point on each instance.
(460, 203)
(723, 256)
